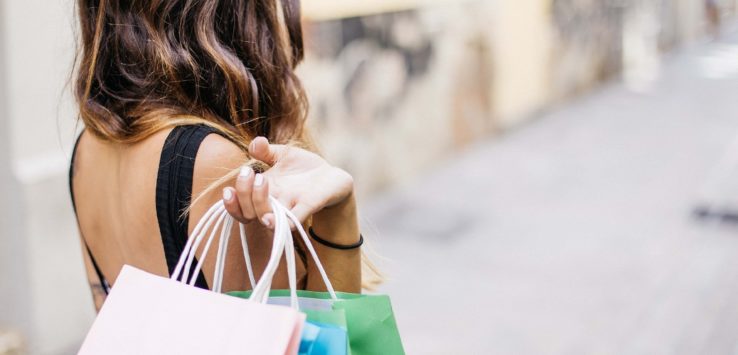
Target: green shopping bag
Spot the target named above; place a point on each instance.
(369, 319)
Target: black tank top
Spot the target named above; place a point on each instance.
(173, 194)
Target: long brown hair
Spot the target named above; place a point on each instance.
(144, 65)
(148, 64)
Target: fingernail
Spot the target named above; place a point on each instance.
(245, 172)
(227, 194)
(267, 222)
(258, 180)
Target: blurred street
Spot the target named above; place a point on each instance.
(527, 171)
(574, 234)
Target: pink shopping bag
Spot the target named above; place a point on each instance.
(148, 314)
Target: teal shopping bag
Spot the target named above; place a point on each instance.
(370, 321)
(323, 339)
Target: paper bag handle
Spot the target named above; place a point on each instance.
(217, 215)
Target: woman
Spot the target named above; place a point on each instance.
(186, 102)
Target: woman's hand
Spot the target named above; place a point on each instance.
(301, 180)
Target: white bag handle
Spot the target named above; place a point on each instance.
(188, 254)
(309, 245)
(261, 290)
(202, 225)
(218, 275)
(246, 255)
(282, 242)
(200, 262)
(282, 217)
(225, 235)
(216, 214)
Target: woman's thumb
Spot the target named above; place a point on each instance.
(260, 149)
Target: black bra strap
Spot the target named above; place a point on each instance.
(173, 194)
(103, 282)
(174, 190)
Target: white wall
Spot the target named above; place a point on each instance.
(53, 307)
(14, 303)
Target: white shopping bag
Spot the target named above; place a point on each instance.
(148, 314)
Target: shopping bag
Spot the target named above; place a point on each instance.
(310, 332)
(323, 339)
(369, 319)
(330, 318)
(316, 338)
(148, 314)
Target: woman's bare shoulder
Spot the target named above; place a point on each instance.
(217, 157)
(216, 166)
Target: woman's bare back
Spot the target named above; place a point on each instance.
(115, 193)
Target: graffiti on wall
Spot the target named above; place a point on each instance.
(405, 86)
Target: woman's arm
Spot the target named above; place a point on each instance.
(338, 224)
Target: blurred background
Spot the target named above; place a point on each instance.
(535, 177)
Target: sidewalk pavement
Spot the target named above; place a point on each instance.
(574, 234)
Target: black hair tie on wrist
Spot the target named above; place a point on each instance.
(334, 245)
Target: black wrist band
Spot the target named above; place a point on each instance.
(334, 245)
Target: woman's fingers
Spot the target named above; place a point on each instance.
(237, 201)
(269, 153)
(244, 191)
(231, 202)
(250, 198)
(260, 199)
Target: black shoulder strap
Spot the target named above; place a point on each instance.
(103, 281)
(174, 190)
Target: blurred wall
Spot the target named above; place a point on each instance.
(395, 88)
(14, 303)
(51, 302)
(394, 93)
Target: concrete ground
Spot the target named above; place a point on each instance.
(574, 234)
